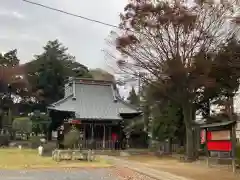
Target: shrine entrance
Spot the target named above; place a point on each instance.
(101, 133)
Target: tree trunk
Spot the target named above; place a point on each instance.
(188, 118)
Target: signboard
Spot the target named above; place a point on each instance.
(219, 141)
(73, 121)
(224, 146)
(220, 135)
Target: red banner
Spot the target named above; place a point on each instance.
(219, 146)
(74, 121)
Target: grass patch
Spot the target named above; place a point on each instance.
(27, 158)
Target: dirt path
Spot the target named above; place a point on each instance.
(196, 171)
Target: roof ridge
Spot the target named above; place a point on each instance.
(90, 80)
(126, 103)
(61, 100)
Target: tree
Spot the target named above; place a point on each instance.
(22, 125)
(176, 45)
(133, 98)
(99, 74)
(40, 122)
(12, 73)
(12, 82)
(48, 72)
(9, 59)
(166, 116)
(225, 72)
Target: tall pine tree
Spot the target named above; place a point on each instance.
(133, 98)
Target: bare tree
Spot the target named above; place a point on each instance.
(174, 44)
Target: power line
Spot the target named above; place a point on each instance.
(70, 14)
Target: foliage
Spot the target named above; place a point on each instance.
(99, 74)
(9, 59)
(5, 120)
(165, 121)
(12, 74)
(133, 98)
(166, 116)
(238, 153)
(180, 49)
(11, 79)
(71, 138)
(35, 141)
(40, 122)
(48, 71)
(4, 140)
(22, 124)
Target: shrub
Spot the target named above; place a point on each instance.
(4, 140)
(35, 141)
(71, 138)
(22, 124)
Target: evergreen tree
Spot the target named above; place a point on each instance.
(48, 72)
(133, 98)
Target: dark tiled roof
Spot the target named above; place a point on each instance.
(94, 101)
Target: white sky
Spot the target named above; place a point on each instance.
(27, 27)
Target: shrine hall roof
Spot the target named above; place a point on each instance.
(97, 100)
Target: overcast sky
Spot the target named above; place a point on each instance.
(27, 27)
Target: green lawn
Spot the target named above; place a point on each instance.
(27, 158)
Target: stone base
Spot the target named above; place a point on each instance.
(59, 155)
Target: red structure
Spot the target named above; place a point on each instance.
(220, 137)
(219, 140)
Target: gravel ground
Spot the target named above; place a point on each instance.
(73, 174)
(127, 174)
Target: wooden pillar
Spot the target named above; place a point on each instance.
(104, 136)
(110, 137)
(120, 137)
(84, 132)
(92, 133)
(84, 136)
(234, 141)
(127, 143)
(206, 148)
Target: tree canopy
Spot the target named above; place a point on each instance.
(133, 98)
(9, 59)
(48, 72)
(181, 49)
